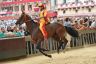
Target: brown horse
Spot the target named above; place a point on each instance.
(55, 31)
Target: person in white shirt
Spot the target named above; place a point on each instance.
(93, 25)
(67, 22)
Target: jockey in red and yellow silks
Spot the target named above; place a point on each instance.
(43, 20)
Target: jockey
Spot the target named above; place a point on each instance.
(43, 19)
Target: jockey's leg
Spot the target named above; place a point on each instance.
(43, 30)
(45, 36)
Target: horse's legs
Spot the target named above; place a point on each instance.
(42, 50)
(65, 41)
(58, 39)
(39, 47)
(59, 47)
(61, 42)
(46, 46)
(45, 54)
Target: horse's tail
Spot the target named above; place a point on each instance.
(72, 31)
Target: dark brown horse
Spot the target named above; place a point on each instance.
(55, 31)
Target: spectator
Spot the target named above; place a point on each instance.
(16, 31)
(9, 29)
(86, 23)
(76, 25)
(21, 30)
(67, 22)
(3, 30)
(93, 25)
(81, 26)
(26, 33)
(2, 35)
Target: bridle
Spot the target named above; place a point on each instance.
(25, 18)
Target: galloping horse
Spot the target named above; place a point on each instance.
(55, 31)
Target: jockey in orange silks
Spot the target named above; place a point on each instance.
(43, 20)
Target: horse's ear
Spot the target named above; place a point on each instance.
(23, 12)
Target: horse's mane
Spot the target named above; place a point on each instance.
(34, 24)
(30, 18)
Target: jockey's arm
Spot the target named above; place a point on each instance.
(45, 13)
(37, 20)
(44, 16)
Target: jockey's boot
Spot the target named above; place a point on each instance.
(45, 35)
(46, 43)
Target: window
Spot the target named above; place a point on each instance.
(78, 7)
(70, 9)
(10, 8)
(89, 9)
(82, 8)
(22, 7)
(29, 7)
(17, 0)
(92, 6)
(76, 10)
(64, 1)
(4, 0)
(55, 2)
(16, 8)
(64, 11)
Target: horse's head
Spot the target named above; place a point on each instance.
(23, 18)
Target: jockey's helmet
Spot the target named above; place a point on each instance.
(41, 5)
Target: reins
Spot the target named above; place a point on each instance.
(26, 19)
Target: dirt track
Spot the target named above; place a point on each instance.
(78, 56)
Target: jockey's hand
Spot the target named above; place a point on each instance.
(37, 19)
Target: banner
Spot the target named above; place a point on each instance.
(17, 2)
(8, 18)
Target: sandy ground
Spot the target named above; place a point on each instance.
(78, 56)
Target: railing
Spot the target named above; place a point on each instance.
(12, 47)
(21, 46)
(86, 37)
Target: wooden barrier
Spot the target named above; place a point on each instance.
(12, 47)
(19, 46)
(86, 37)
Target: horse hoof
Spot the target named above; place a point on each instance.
(47, 50)
(50, 56)
(58, 51)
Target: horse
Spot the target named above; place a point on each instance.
(54, 30)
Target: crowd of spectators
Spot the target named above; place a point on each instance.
(80, 23)
(9, 29)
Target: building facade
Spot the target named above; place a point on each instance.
(63, 7)
(14, 7)
(74, 7)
